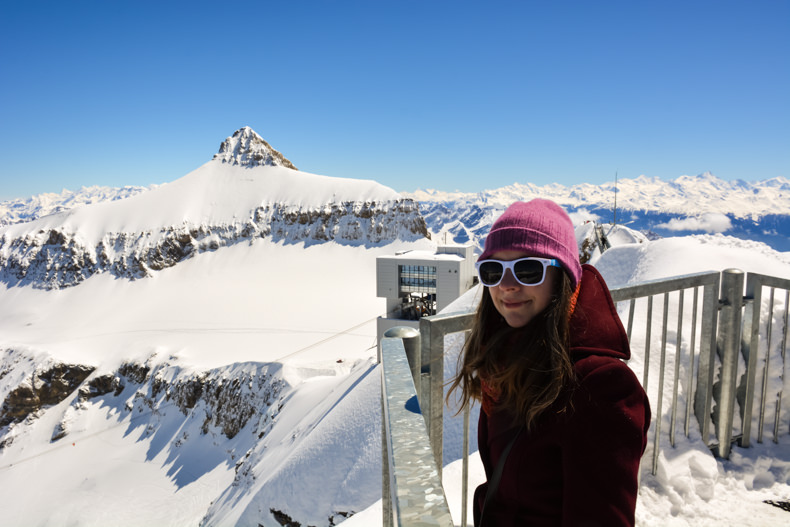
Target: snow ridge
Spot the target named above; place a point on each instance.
(247, 148)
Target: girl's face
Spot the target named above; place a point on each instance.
(517, 303)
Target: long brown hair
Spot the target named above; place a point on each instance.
(527, 368)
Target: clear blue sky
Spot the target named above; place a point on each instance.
(430, 94)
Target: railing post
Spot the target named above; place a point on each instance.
(432, 388)
(411, 343)
(751, 341)
(703, 395)
(729, 343)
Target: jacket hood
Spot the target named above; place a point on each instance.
(595, 326)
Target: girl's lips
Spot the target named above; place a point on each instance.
(513, 305)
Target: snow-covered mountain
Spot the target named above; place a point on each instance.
(247, 192)
(701, 204)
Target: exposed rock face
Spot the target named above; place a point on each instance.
(223, 401)
(247, 148)
(47, 387)
(286, 521)
(56, 258)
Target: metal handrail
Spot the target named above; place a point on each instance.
(416, 496)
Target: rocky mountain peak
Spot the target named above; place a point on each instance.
(246, 148)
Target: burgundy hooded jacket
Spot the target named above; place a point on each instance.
(579, 467)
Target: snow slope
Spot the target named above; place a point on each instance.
(212, 316)
(303, 315)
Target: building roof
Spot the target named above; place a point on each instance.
(424, 255)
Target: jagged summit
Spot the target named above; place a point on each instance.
(246, 148)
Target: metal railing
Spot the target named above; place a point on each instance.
(722, 322)
(705, 324)
(751, 350)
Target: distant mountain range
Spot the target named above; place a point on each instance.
(701, 204)
(22, 210)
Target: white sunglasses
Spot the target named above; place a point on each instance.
(527, 271)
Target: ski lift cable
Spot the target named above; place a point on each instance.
(76, 437)
(327, 339)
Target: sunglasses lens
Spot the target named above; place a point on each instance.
(528, 271)
(490, 272)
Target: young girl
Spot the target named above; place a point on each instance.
(564, 420)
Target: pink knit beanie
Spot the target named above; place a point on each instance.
(539, 227)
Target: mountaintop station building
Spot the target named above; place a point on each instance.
(421, 283)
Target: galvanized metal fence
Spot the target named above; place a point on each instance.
(774, 353)
(713, 339)
(700, 349)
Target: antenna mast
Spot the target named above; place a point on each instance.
(615, 198)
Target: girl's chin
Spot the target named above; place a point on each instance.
(516, 321)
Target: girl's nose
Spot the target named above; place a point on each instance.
(508, 281)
